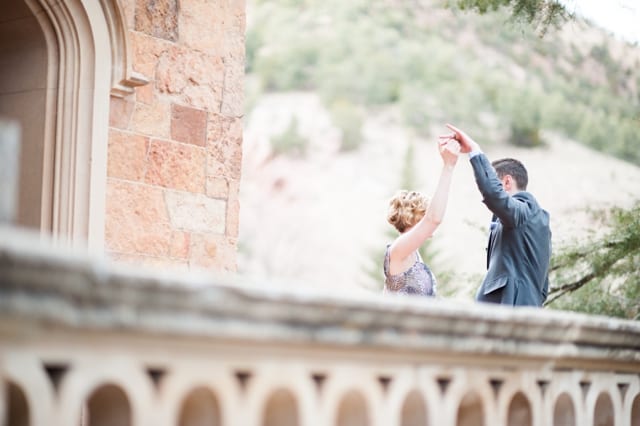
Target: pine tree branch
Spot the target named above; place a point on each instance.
(573, 286)
(566, 288)
(577, 254)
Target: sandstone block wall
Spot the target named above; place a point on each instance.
(175, 145)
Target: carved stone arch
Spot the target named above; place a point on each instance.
(87, 60)
(281, 408)
(123, 78)
(200, 406)
(353, 410)
(471, 410)
(108, 404)
(635, 410)
(519, 412)
(18, 409)
(414, 409)
(564, 410)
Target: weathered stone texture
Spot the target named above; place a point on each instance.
(127, 155)
(236, 24)
(121, 112)
(176, 165)
(232, 103)
(180, 244)
(224, 147)
(196, 212)
(192, 77)
(213, 251)
(137, 221)
(152, 120)
(233, 209)
(146, 94)
(198, 14)
(176, 143)
(158, 18)
(146, 50)
(217, 187)
(216, 127)
(234, 58)
(188, 125)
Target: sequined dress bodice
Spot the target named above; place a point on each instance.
(418, 279)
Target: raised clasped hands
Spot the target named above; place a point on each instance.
(466, 143)
(449, 151)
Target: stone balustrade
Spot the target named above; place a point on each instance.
(83, 342)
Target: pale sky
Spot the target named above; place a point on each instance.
(621, 17)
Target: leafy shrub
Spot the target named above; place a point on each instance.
(521, 108)
(525, 136)
(349, 119)
(600, 275)
(290, 142)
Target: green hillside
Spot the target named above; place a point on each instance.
(485, 72)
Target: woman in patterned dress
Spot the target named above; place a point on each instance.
(416, 220)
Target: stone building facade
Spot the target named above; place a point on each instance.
(131, 120)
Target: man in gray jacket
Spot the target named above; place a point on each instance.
(519, 248)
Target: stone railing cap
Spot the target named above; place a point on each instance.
(77, 290)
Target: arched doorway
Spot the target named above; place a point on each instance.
(59, 64)
(24, 94)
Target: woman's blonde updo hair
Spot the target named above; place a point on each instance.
(406, 208)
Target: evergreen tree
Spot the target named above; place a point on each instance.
(601, 275)
(538, 12)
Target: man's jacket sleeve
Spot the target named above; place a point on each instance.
(511, 211)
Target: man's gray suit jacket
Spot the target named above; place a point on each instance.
(519, 248)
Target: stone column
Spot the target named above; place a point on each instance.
(9, 160)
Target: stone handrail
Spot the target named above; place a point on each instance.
(83, 340)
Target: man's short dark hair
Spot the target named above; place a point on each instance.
(513, 167)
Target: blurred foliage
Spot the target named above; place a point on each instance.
(600, 275)
(349, 118)
(290, 141)
(541, 12)
(524, 108)
(447, 65)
